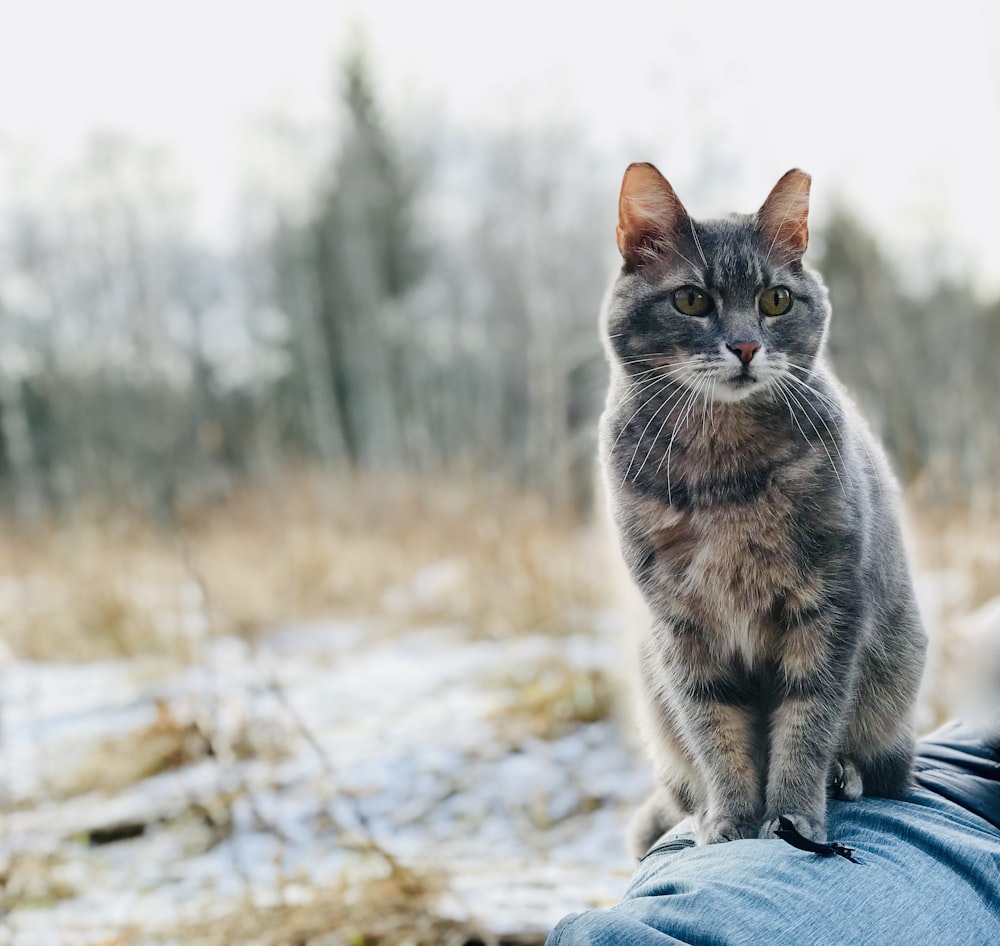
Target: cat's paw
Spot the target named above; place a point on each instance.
(845, 780)
(715, 829)
(812, 826)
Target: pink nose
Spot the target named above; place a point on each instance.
(745, 350)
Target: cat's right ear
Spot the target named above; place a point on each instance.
(650, 216)
(784, 216)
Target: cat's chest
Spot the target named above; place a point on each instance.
(725, 563)
(741, 556)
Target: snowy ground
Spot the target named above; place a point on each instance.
(317, 737)
(142, 796)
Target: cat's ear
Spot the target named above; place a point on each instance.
(784, 216)
(650, 216)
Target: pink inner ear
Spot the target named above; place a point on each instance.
(784, 216)
(648, 213)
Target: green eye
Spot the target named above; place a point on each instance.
(775, 301)
(690, 300)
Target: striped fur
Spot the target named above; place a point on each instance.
(758, 517)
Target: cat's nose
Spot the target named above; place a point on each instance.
(744, 350)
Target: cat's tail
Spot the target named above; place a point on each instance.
(657, 815)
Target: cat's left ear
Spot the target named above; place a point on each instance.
(784, 216)
(650, 216)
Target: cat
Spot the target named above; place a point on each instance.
(758, 517)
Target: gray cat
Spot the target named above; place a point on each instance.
(758, 517)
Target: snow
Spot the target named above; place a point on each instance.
(405, 738)
(972, 680)
(324, 735)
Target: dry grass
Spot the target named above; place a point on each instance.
(398, 908)
(964, 541)
(960, 549)
(403, 554)
(34, 880)
(302, 548)
(164, 745)
(406, 553)
(547, 702)
(423, 552)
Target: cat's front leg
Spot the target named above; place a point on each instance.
(709, 705)
(815, 690)
(725, 734)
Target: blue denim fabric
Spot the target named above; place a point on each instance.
(929, 873)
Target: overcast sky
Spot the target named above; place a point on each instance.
(893, 105)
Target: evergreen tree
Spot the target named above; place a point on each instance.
(364, 258)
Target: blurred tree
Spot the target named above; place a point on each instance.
(365, 256)
(540, 255)
(400, 315)
(914, 359)
(868, 344)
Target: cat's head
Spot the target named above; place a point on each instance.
(722, 305)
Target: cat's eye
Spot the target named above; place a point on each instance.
(690, 300)
(775, 301)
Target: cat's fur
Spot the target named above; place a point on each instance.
(758, 517)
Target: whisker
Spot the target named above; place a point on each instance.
(673, 372)
(661, 354)
(638, 410)
(780, 387)
(642, 380)
(697, 243)
(673, 249)
(638, 442)
(660, 431)
(834, 406)
(633, 390)
(667, 454)
(795, 366)
(648, 423)
(820, 394)
(636, 387)
(704, 408)
(820, 416)
(819, 436)
(838, 408)
(641, 377)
